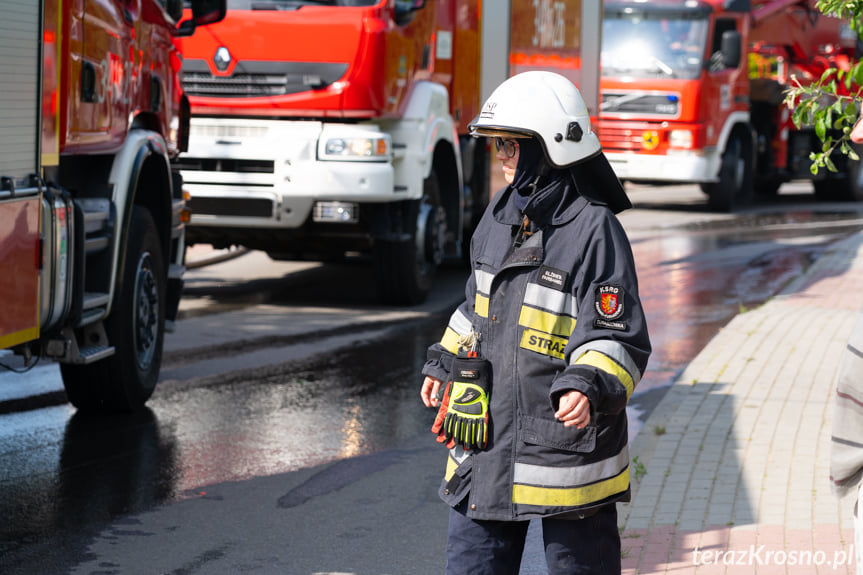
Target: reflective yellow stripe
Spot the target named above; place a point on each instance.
(481, 305)
(451, 466)
(543, 343)
(546, 321)
(449, 341)
(604, 363)
(17, 337)
(572, 496)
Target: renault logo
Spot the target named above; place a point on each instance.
(222, 59)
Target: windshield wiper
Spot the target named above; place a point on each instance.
(662, 66)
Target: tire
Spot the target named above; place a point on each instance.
(846, 186)
(734, 187)
(136, 328)
(767, 187)
(405, 269)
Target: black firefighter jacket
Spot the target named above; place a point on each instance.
(558, 313)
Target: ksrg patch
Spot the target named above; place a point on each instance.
(609, 302)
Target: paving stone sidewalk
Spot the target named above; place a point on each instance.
(732, 468)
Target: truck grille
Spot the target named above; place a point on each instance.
(238, 86)
(617, 139)
(192, 164)
(259, 79)
(665, 105)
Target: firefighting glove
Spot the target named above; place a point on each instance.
(466, 419)
(437, 427)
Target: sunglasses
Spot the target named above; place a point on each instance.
(509, 147)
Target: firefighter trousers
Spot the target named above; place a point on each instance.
(572, 546)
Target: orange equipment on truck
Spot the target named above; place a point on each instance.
(692, 92)
(91, 239)
(325, 127)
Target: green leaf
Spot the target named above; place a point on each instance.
(830, 165)
(820, 129)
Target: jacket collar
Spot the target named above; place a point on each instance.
(555, 204)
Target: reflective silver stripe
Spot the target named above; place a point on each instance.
(459, 454)
(459, 323)
(483, 281)
(612, 349)
(527, 474)
(550, 300)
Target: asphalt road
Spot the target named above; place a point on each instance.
(286, 435)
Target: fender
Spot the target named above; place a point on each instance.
(715, 154)
(125, 174)
(425, 124)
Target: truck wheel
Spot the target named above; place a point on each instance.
(126, 380)
(734, 187)
(405, 269)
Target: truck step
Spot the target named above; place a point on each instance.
(96, 244)
(176, 271)
(97, 214)
(95, 353)
(94, 300)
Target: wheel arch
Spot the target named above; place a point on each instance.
(737, 123)
(141, 176)
(446, 166)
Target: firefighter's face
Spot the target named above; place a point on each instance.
(507, 154)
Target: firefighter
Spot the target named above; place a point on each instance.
(535, 367)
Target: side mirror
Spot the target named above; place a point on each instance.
(203, 12)
(405, 9)
(731, 48)
(174, 8)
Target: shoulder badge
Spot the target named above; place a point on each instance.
(609, 306)
(609, 301)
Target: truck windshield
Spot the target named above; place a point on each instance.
(653, 46)
(293, 4)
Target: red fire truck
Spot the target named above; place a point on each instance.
(692, 92)
(91, 238)
(325, 128)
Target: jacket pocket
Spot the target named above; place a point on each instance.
(552, 433)
(456, 488)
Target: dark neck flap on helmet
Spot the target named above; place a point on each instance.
(597, 182)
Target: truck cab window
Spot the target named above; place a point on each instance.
(723, 25)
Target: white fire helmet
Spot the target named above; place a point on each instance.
(545, 105)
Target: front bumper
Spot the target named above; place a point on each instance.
(685, 167)
(266, 173)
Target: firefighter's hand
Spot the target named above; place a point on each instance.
(429, 391)
(573, 409)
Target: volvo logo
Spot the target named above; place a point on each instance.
(222, 59)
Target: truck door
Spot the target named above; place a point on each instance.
(100, 112)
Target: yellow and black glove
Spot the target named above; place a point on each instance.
(466, 421)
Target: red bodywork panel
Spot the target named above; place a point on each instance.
(382, 60)
(19, 282)
(126, 47)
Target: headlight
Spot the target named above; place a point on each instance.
(372, 149)
(680, 139)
